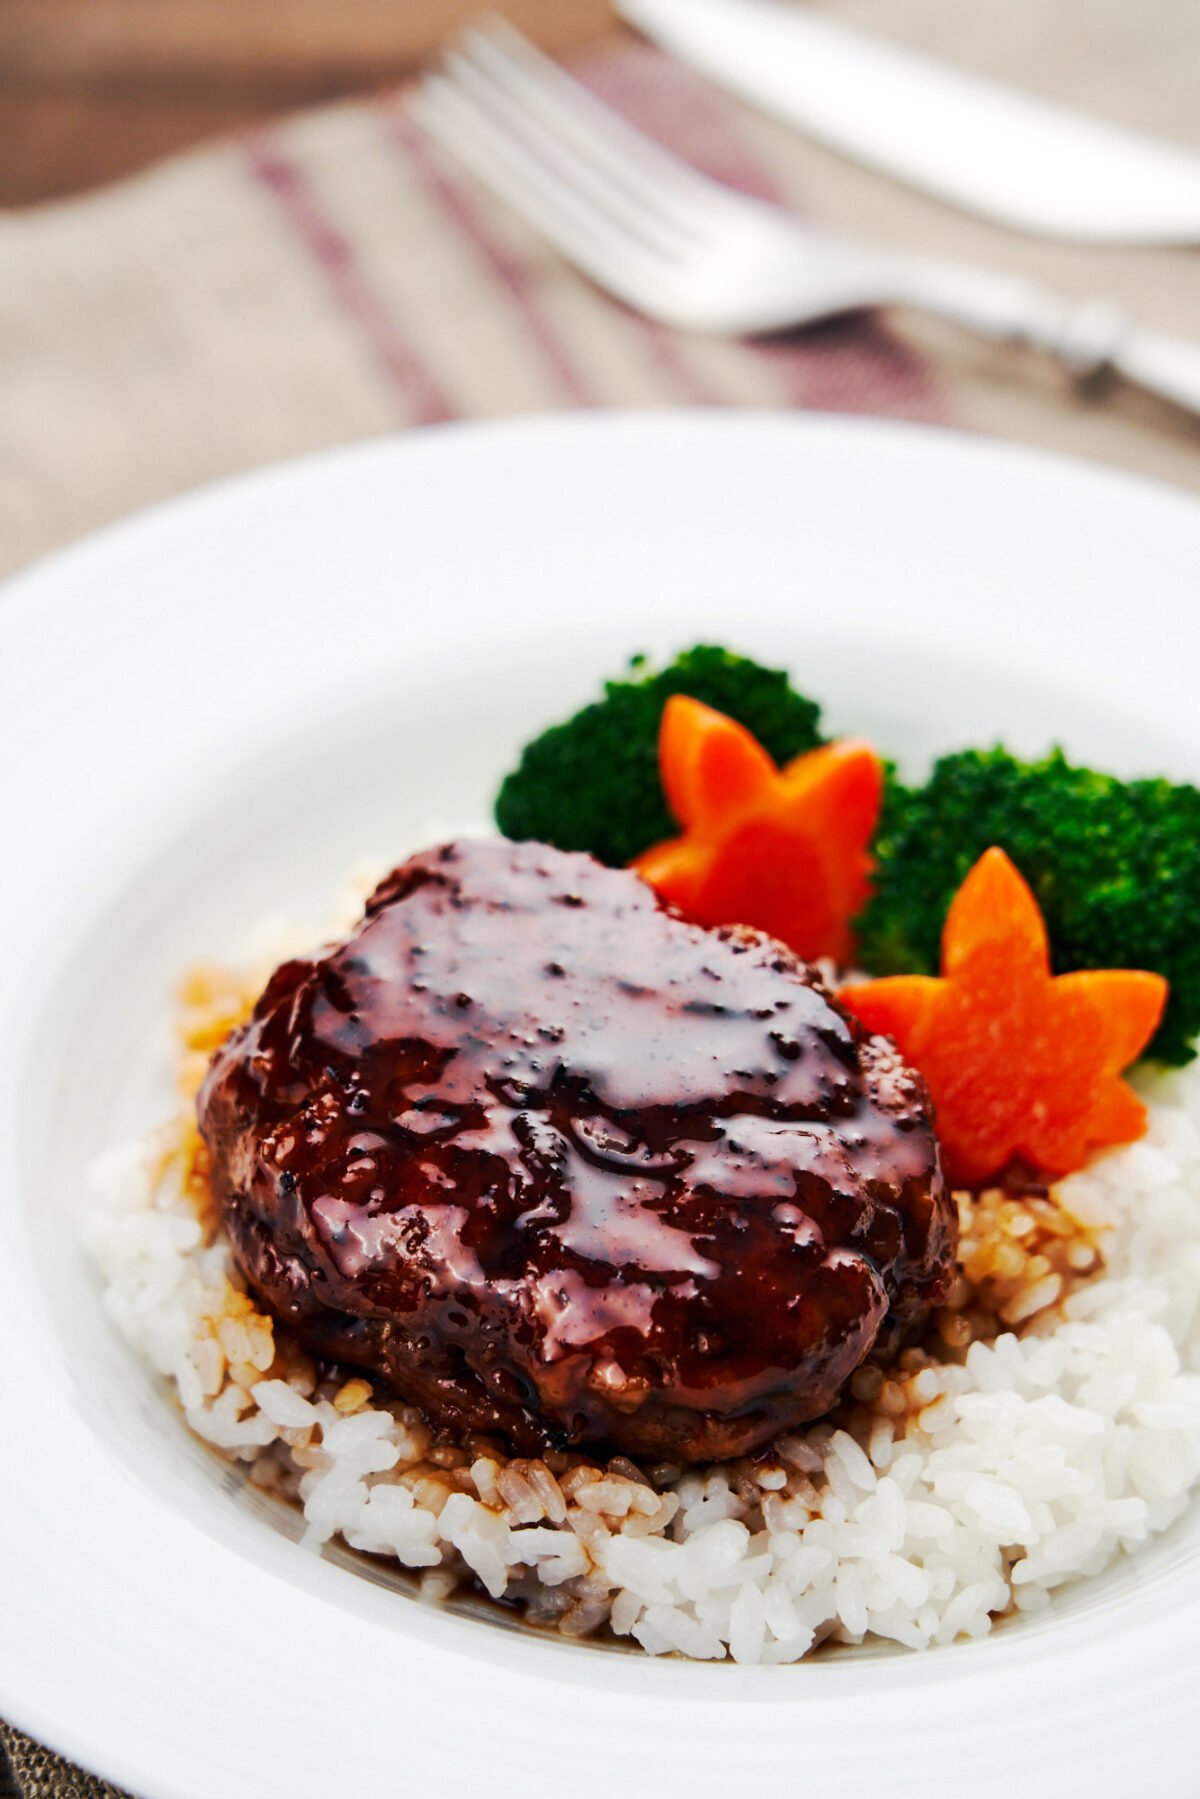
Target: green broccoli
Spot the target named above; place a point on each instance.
(1115, 866)
(593, 784)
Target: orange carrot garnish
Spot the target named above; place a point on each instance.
(1021, 1064)
(782, 849)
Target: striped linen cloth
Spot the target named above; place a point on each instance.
(333, 278)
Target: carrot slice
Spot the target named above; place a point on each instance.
(709, 764)
(1022, 1064)
(782, 849)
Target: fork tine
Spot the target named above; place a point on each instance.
(657, 183)
(523, 180)
(508, 106)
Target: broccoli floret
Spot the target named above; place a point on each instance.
(1115, 866)
(593, 783)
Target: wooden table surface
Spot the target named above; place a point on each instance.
(93, 89)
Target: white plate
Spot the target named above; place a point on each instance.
(210, 712)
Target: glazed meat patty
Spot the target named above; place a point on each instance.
(556, 1164)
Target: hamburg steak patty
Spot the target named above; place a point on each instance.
(555, 1163)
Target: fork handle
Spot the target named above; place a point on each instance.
(1089, 337)
(1164, 365)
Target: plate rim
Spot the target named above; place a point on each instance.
(1000, 452)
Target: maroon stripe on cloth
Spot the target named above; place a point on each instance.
(331, 253)
(506, 270)
(853, 364)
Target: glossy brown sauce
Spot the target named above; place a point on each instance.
(557, 1164)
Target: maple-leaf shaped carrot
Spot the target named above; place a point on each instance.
(1020, 1063)
(782, 849)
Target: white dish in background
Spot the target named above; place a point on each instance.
(209, 713)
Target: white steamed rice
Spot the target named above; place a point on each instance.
(1035, 1460)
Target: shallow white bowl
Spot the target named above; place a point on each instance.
(210, 713)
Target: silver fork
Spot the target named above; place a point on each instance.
(685, 250)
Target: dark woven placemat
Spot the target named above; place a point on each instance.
(27, 1771)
